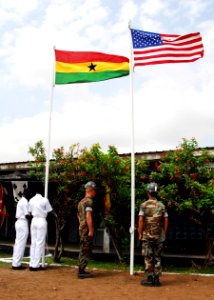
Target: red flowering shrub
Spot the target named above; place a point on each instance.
(186, 183)
(112, 174)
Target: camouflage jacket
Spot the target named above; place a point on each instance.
(153, 212)
(86, 204)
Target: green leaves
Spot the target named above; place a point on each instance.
(184, 177)
(186, 182)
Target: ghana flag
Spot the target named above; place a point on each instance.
(74, 67)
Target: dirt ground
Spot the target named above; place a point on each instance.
(61, 283)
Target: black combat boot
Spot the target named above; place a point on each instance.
(82, 274)
(19, 268)
(156, 281)
(148, 282)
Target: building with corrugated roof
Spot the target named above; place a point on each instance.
(182, 236)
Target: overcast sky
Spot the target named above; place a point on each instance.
(172, 101)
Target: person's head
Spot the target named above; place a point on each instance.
(38, 189)
(26, 194)
(152, 189)
(90, 189)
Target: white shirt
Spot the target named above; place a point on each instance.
(22, 208)
(39, 206)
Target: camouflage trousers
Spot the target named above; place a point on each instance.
(85, 253)
(152, 257)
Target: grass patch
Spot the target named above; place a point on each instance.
(199, 269)
(108, 265)
(3, 263)
(65, 261)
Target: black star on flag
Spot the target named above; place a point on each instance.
(92, 67)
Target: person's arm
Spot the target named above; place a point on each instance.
(90, 224)
(28, 217)
(166, 221)
(140, 227)
(49, 208)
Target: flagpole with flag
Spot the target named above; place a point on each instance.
(132, 226)
(78, 67)
(149, 48)
(72, 67)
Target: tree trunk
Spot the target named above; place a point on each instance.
(209, 243)
(116, 248)
(204, 222)
(59, 247)
(209, 252)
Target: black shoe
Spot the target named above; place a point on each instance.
(82, 274)
(36, 269)
(156, 281)
(148, 282)
(19, 268)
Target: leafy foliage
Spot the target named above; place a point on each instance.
(186, 183)
(184, 177)
(70, 171)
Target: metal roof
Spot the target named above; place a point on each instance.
(149, 155)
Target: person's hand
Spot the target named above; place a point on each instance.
(91, 234)
(140, 236)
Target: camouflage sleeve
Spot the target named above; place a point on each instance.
(141, 211)
(165, 213)
(89, 205)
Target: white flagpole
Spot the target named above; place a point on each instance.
(132, 227)
(49, 131)
(49, 144)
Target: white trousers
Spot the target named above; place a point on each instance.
(22, 231)
(38, 232)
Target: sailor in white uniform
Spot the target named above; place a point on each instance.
(22, 231)
(39, 207)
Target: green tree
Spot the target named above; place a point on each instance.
(186, 183)
(70, 171)
(59, 190)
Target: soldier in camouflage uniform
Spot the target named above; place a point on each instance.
(86, 229)
(152, 228)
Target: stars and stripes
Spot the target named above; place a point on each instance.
(153, 48)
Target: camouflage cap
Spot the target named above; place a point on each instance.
(91, 185)
(152, 187)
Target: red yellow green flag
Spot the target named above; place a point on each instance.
(74, 67)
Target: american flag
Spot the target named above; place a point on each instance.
(151, 48)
